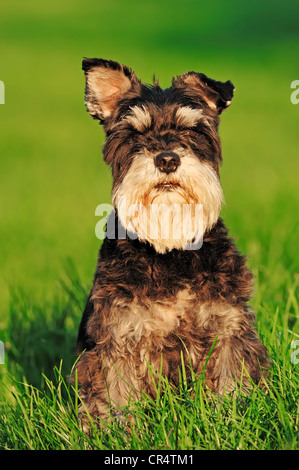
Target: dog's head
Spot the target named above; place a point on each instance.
(163, 148)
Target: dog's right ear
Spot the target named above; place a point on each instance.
(217, 95)
(107, 82)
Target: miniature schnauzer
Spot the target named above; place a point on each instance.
(165, 287)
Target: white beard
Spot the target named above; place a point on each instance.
(172, 216)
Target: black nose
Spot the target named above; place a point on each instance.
(167, 162)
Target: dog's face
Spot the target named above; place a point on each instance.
(164, 150)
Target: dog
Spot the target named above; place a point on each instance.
(159, 297)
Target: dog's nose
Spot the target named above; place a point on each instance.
(167, 162)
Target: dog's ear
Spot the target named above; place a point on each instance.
(217, 95)
(107, 82)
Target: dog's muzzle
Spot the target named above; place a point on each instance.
(167, 162)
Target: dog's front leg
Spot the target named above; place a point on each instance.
(107, 384)
(235, 356)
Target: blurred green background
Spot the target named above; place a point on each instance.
(52, 174)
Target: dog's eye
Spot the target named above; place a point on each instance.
(192, 133)
(134, 137)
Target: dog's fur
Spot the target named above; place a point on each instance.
(152, 298)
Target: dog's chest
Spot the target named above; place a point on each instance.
(145, 317)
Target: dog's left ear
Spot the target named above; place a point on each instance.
(107, 82)
(217, 95)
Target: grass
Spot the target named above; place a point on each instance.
(52, 179)
(187, 420)
(39, 407)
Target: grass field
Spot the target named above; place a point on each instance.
(52, 178)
